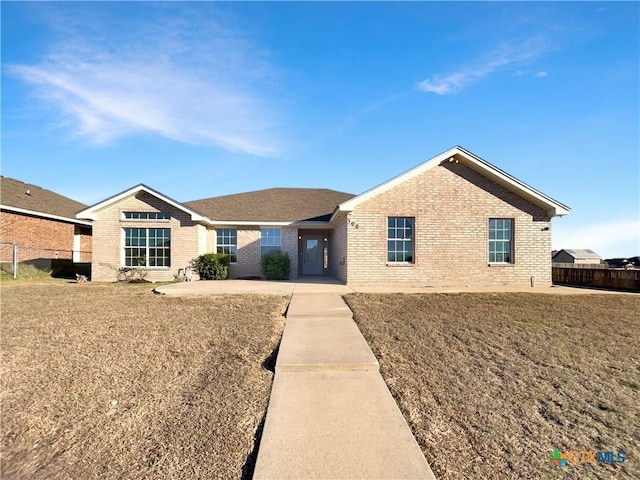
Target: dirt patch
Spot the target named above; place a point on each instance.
(112, 381)
(491, 384)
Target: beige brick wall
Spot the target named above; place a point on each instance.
(338, 251)
(248, 264)
(290, 246)
(108, 238)
(452, 205)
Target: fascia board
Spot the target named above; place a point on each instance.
(44, 215)
(111, 202)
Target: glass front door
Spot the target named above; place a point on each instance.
(312, 255)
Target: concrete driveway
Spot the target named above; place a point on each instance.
(331, 285)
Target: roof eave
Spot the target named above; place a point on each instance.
(457, 154)
(45, 215)
(93, 211)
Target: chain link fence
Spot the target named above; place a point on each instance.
(24, 261)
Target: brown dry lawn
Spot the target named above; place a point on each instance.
(491, 383)
(112, 381)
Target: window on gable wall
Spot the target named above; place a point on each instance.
(147, 215)
(400, 234)
(147, 247)
(227, 242)
(500, 240)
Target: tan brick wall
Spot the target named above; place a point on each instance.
(248, 264)
(108, 238)
(452, 205)
(290, 246)
(42, 238)
(338, 251)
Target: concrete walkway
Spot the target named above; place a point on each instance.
(331, 414)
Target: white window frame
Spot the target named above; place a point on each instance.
(402, 239)
(497, 229)
(146, 216)
(147, 247)
(221, 247)
(270, 244)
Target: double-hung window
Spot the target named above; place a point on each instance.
(147, 247)
(400, 236)
(270, 240)
(227, 243)
(500, 240)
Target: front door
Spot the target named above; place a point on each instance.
(312, 255)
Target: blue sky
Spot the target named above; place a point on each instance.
(203, 99)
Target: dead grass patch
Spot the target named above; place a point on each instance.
(491, 383)
(112, 381)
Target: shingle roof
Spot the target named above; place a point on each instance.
(17, 194)
(581, 253)
(272, 205)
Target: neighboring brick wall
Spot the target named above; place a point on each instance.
(108, 238)
(39, 237)
(338, 251)
(86, 243)
(452, 205)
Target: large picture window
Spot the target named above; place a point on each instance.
(500, 240)
(147, 247)
(227, 243)
(270, 240)
(400, 234)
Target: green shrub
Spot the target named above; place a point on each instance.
(275, 265)
(212, 266)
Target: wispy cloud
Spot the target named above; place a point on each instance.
(184, 78)
(609, 239)
(508, 55)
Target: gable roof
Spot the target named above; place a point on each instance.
(459, 154)
(25, 198)
(93, 210)
(580, 253)
(280, 205)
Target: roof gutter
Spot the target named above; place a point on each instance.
(45, 215)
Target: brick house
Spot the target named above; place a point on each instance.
(42, 223)
(453, 220)
(576, 255)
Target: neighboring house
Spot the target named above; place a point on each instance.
(576, 255)
(626, 263)
(453, 220)
(42, 223)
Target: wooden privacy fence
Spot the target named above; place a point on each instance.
(597, 277)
